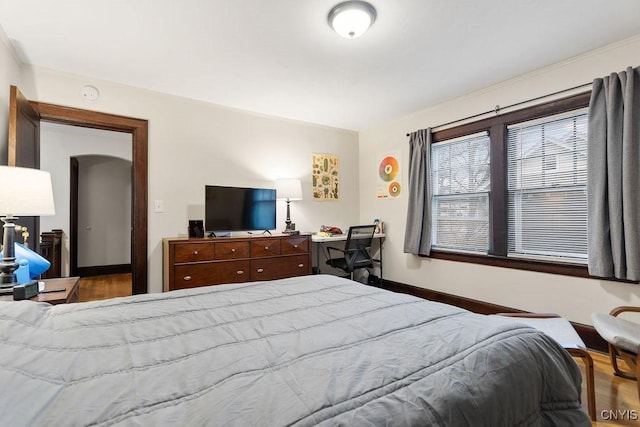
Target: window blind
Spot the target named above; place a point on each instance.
(547, 196)
(460, 183)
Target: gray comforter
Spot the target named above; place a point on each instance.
(315, 350)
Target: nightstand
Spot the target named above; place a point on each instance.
(68, 295)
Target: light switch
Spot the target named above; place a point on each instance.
(159, 206)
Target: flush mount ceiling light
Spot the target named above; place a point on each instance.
(352, 18)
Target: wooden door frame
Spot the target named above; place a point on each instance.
(73, 216)
(23, 117)
(139, 129)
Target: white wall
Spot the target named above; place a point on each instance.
(104, 211)
(193, 143)
(9, 75)
(571, 297)
(58, 143)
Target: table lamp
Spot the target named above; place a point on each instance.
(289, 189)
(25, 192)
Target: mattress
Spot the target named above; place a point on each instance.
(312, 350)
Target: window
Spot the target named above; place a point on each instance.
(460, 182)
(547, 184)
(510, 190)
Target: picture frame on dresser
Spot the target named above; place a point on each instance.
(196, 228)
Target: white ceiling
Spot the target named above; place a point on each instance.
(280, 57)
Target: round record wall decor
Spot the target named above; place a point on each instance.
(389, 176)
(388, 168)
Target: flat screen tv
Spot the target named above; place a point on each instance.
(239, 209)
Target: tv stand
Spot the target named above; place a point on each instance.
(190, 263)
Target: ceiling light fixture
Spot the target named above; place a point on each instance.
(352, 18)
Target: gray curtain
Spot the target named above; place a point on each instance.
(613, 185)
(417, 237)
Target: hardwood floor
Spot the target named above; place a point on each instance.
(617, 402)
(615, 396)
(104, 287)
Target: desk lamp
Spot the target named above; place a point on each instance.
(25, 192)
(289, 189)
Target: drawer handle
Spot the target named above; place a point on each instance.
(187, 278)
(300, 265)
(233, 250)
(195, 252)
(266, 248)
(260, 270)
(239, 272)
(295, 246)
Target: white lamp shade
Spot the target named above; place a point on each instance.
(352, 18)
(25, 192)
(290, 189)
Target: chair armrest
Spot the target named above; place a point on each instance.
(616, 311)
(530, 315)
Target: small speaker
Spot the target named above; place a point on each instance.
(196, 229)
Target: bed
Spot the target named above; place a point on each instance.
(313, 350)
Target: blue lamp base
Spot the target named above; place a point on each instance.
(32, 261)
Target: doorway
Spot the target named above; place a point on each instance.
(99, 215)
(138, 128)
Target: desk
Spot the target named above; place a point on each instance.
(321, 240)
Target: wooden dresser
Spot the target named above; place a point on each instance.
(189, 263)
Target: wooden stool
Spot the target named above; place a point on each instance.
(561, 330)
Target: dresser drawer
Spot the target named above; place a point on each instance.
(265, 247)
(210, 273)
(294, 245)
(279, 268)
(231, 250)
(193, 252)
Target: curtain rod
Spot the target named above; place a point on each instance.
(498, 108)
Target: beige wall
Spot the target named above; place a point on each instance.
(194, 143)
(572, 297)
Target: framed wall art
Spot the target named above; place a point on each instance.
(325, 176)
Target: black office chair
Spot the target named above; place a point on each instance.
(357, 250)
